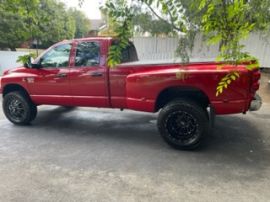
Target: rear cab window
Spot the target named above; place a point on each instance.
(129, 54)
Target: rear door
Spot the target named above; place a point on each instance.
(88, 76)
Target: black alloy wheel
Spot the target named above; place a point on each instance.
(18, 108)
(183, 123)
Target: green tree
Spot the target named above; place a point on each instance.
(54, 23)
(28, 11)
(223, 22)
(145, 22)
(17, 19)
(120, 15)
(47, 21)
(81, 21)
(13, 30)
(142, 22)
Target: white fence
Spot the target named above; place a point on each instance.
(151, 48)
(8, 59)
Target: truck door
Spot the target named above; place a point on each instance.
(88, 76)
(51, 83)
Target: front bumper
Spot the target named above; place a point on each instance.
(256, 103)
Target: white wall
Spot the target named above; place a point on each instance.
(151, 48)
(8, 59)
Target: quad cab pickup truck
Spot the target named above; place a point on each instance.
(75, 73)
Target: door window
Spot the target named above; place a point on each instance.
(87, 54)
(57, 57)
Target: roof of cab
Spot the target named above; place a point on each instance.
(99, 38)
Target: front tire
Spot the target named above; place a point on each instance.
(18, 108)
(183, 123)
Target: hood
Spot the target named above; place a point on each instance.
(18, 69)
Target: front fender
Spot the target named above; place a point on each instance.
(15, 81)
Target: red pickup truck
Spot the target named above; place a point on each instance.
(75, 73)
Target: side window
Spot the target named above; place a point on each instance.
(87, 54)
(57, 57)
(128, 54)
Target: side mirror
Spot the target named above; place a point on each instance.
(33, 65)
(36, 66)
(28, 62)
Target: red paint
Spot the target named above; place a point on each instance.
(134, 87)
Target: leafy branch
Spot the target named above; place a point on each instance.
(222, 22)
(225, 23)
(226, 81)
(121, 16)
(23, 59)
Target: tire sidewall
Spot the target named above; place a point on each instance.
(191, 108)
(25, 103)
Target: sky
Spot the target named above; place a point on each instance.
(89, 7)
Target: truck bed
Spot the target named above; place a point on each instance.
(168, 61)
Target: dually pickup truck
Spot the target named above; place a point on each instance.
(75, 73)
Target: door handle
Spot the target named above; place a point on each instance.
(96, 74)
(61, 75)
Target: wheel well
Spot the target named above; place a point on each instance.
(170, 94)
(14, 87)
